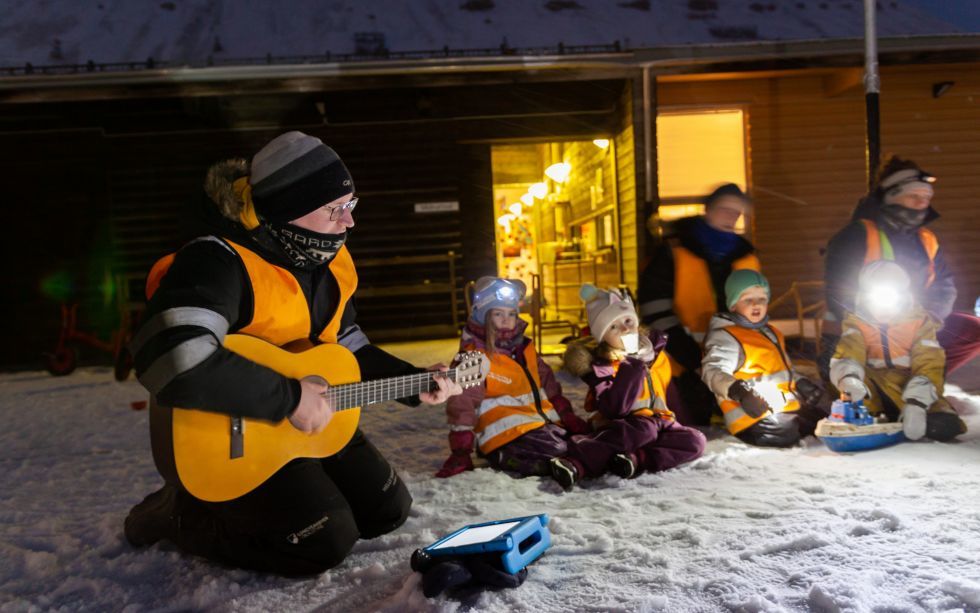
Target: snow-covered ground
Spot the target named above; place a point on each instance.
(740, 529)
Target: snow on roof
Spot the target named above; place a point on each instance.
(192, 31)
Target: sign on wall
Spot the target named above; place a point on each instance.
(437, 207)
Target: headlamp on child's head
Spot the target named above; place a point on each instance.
(496, 293)
(885, 299)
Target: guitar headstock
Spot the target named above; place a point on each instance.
(471, 368)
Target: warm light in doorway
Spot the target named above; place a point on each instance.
(558, 172)
(602, 143)
(527, 199)
(515, 209)
(538, 190)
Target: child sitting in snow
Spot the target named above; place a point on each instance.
(518, 417)
(627, 374)
(889, 357)
(746, 365)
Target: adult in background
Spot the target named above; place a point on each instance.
(683, 286)
(276, 267)
(890, 224)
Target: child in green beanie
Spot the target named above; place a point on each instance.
(746, 365)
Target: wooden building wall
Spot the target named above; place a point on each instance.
(806, 150)
(115, 184)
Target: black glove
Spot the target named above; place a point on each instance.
(808, 392)
(752, 403)
(472, 572)
(682, 347)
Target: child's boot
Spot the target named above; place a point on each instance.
(565, 472)
(624, 465)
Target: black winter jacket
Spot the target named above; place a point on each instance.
(847, 249)
(207, 275)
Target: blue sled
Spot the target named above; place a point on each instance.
(520, 541)
(851, 428)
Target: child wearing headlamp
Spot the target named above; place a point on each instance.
(518, 417)
(627, 373)
(888, 356)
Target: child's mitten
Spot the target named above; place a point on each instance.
(854, 387)
(914, 421)
(752, 403)
(808, 392)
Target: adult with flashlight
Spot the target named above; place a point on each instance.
(890, 224)
(889, 357)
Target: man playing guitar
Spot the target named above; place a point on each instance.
(276, 269)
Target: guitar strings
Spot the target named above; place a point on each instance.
(352, 395)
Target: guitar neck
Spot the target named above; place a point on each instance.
(352, 395)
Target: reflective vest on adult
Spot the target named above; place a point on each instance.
(652, 397)
(880, 248)
(768, 369)
(889, 346)
(695, 301)
(510, 407)
(280, 311)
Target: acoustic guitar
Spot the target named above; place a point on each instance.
(218, 457)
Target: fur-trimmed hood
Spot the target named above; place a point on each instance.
(219, 185)
(579, 356)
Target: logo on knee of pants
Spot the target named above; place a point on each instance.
(392, 479)
(313, 528)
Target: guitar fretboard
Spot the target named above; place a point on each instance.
(351, 395)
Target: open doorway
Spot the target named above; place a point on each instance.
(557, 222)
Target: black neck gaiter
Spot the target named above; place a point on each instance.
(306, 249)
(902, 218)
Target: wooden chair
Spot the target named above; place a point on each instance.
(796, 296)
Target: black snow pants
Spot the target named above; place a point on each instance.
(305, 519)
(784, 429)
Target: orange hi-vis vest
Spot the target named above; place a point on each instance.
(281, 313)
(695, 302)
(515, 402)
(768, 368)
(890, 346)
(649, 402)
(880, 248)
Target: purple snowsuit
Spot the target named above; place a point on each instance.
(658, 442)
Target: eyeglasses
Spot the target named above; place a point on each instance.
(336, 212)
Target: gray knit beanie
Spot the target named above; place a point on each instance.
(295, 174)
(604, 308)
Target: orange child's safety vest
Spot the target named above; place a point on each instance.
(694, 295)
(280, 313)
(515, 403)
(768, 368)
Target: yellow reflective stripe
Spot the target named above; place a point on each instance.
(928, 342)
(904, 361)
(512, 421)
(509, 401)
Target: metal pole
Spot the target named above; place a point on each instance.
(647, 145)
(872, 85)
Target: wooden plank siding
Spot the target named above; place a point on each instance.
(126, 177)
(807, 152)
(630, 218)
